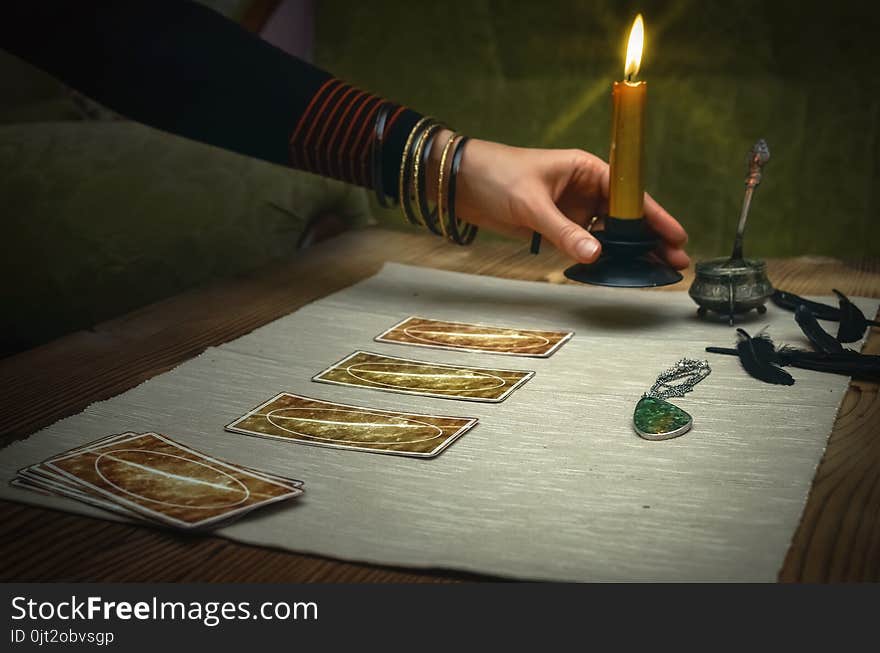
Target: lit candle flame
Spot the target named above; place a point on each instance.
(634, 47)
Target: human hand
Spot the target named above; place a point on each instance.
(516, 191)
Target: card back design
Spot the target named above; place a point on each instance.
(391, 374)
(341, 426)
(161, 479)
(464, 336)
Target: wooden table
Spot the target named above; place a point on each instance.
(838, 538)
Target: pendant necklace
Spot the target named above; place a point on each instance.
(655, 418)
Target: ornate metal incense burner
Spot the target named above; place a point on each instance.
(735, 285)
(731, 289)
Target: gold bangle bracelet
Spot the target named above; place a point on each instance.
(404, 163)
(441, 216)
(417, 164)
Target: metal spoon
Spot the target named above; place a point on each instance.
(758, 157)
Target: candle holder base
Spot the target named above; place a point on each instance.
(626, 260)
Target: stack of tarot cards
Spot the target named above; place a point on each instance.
(150, 476)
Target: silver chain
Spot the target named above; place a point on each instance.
(688, 371)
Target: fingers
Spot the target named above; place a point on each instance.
(592, 181)
(567, 236)
(674, 256)
(664, 224)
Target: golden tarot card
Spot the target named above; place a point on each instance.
(42, 479)
(363, 369)
(341, 426)
(155, 477)
(463, 336)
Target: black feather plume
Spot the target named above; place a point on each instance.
(821, 339)
(852, 320)
(763, 345)
(865, 367)
(757, 355)
(790, 301)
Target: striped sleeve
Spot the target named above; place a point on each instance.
(184, 68)
(334, 135)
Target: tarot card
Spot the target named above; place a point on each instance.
(107, 439)
(463, 336)
(285, 480)
(153, 476)
(62, 490)
(363, 369)
(40, 478)
(341, 426)
(39, 471)
(39, 475)
(33, 487)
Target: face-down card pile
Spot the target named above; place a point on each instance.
(464, 336)
(148, 475)
(341, 426)
(363, 369)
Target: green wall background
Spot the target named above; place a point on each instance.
(805, 76)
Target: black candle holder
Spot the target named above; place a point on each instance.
(626, 260)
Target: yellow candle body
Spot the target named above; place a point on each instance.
(627, 191)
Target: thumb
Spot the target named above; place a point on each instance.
(568, 236)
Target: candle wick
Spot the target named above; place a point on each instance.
(629, 77)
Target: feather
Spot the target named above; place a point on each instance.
(847, 362)
(790, 301)
(722, 350)
(753, 355)
(819, 337)
(764, 346)
(852, 320)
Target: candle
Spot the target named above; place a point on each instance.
(627, 190)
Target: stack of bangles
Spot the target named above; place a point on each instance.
(413, 191)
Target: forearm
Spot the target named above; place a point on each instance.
(185, 69)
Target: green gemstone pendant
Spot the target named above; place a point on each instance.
(656, 419)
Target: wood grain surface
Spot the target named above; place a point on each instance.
(838, 538)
